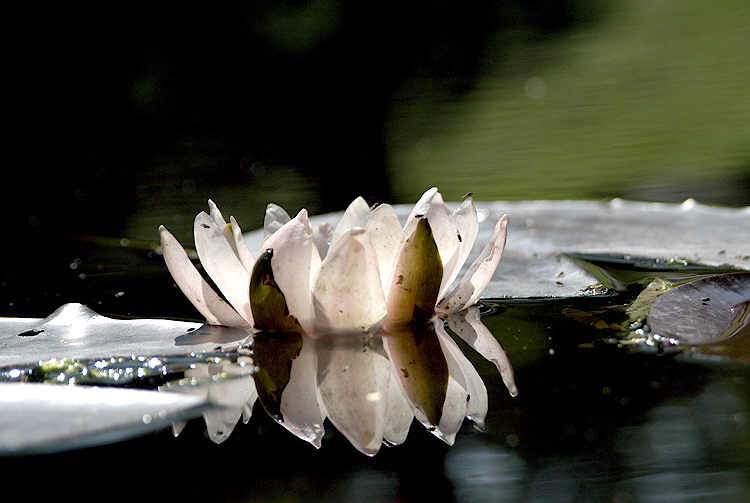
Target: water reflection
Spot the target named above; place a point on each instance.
(369, 387)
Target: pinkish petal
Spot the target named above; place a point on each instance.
(468, 326)
(222, 264)
(356, 215)
(295, 260)
(353, 374)
(479, 273)
(196, 289)
(347, 295)
(386, 235)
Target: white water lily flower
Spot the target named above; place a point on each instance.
(343, 286)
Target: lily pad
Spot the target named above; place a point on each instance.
(75, 331)
(709, 311)
(541, 233)
(42, 418)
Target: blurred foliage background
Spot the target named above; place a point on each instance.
(129, 115)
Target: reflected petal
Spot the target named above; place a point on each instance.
(353, 374)
(468, 325)
(196, 289)
(398, 414)
(301, 408)
(418, 362)
(347, 295)
(479, 273)
(222, 264)
(273, 354)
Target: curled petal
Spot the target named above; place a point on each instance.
(469, 327)
(467, 226)
(386, 235)
(479, 273)
(196, 289)
(356, 215)
(295, 261)
(240, 248)
(353, 374)
(274, 219)
(222, 264)
(347, 295)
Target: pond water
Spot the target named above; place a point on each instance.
(594, 420)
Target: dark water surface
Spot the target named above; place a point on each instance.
(593, 421)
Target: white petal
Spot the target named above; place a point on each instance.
(247, 409)
(479, 273)
(295, 259)
(476, 408)
(216, 215)
(246, 258)
(274, 219)
(468, 325)
(222, 264)
(398, 415)
(231, 395)
(356, 215)
(301, 407)
(196, 289)
(348, 296)
(420, 208)
(467, 226)
(386, 235)
(322, 236)
(353, 374)
(456, 398)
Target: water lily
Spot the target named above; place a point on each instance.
(367, 272)
(346, 316)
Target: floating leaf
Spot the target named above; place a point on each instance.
(75, 331)
(43, 418)
(705, 312)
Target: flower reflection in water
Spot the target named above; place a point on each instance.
(345, 319)
(370, 387)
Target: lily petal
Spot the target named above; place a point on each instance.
(421, 369)
(301, 407)
(466, 375)
(216, 215)
(196, 289)
(347, 295)
(230, 395)
(356, 215)
(420, 208)
(386, 235)
(222, 264)
(295, 261)
(479, 273)
(239, 246)
(468, 325)
(274, 219)
(467, 226)
(398, 414)
(353, 375)
(416, 277)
